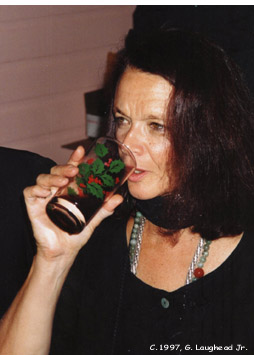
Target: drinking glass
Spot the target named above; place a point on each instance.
(106, 166)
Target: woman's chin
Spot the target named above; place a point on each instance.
(146, 191)
(141, 195)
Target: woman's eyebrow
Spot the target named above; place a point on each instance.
(150, 117)
(117, 110)
(155, 118)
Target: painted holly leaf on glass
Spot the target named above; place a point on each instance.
(116, 166)
(98, 176)
(85, 170)
(101, 150)
(97, 167)
(107, 180)
(96, 190)
(79, 180)
(71, 191)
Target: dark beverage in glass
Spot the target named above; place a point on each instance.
(106, 166)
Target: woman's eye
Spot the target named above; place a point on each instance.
(120, 121)
(157, 126)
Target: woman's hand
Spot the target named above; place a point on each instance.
(52, 242)
(26, 327)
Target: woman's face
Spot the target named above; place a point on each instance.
(140, 109)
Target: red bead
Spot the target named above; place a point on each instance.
(198, 272)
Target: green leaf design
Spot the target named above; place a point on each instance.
(85, 170)
(116, 166)
(107, 180)
(97, 167)
(80, 180)
(95, 190)
(71, 191)
(101, 150)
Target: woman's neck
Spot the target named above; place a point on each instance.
(159, 235)
(164, 260)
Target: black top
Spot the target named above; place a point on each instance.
(103, 305)
(19, 169)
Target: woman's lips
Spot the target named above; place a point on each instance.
(137, 175)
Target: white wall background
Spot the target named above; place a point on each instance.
(49, 57)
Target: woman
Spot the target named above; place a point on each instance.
(171, 270)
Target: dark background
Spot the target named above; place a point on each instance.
(230, 26)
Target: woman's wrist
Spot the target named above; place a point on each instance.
(52, 270)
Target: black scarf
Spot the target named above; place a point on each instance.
(167, 212)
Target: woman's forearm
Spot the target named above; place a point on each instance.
(26, 327)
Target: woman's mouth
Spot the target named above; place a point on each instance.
(137, 175)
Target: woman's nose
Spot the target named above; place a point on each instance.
(133, 141)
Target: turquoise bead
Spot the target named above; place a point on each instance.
(202, 259)
(164, 302)
(206, 253)
(133, 242)
(138, 214)
(200, 264)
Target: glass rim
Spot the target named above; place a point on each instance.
(119, 143)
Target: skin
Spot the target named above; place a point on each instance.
(140, 108)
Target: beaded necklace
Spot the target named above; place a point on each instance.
(195, 270)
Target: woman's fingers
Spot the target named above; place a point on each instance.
(77, 156)
(60, 174)
(48, 181)
(64, 170)
(47, 185)
(112, 203)
(71, 168)
(33, 192)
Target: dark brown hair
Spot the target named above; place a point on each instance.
(210, 124)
